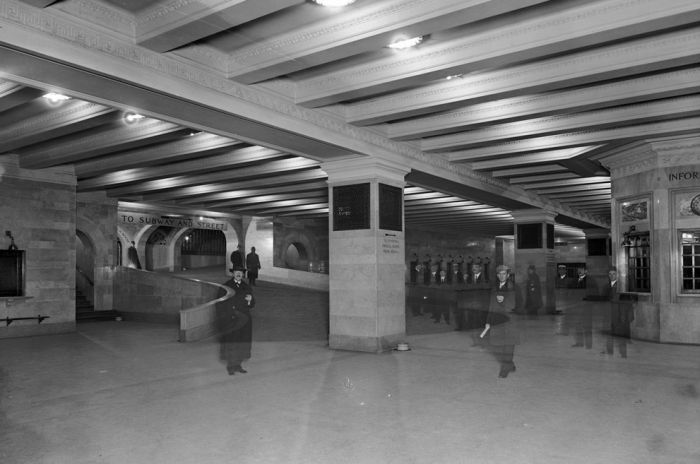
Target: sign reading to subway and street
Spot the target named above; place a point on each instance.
(179, 221)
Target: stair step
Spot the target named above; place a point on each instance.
(84, 316)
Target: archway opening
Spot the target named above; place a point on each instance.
(296, 257)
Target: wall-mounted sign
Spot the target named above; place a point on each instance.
(190, 222)
(692, 176)
(390, 207)
(351, 207)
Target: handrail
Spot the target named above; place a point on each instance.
(10, 320)
(84, 274)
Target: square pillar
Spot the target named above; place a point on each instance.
(534, 246)
(366, 255)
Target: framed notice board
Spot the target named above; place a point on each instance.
(351, 207)
(390, 207)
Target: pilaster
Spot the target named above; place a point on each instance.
(366, 241)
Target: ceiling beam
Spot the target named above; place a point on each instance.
(163, 28)
(227, 161)
(621, 92)
(214, 187)
(245, 173)
(553, 142)
(673, 49)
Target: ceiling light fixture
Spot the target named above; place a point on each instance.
(54, 97)
(133, 117)
(334, 3)
(403, 44)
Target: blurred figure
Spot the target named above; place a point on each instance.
(500, 330)
(563, 280)
(621, 315)
(427, 264)
(237, 259)
(133, 256)
(581, 279)
(413, 268)
(470, 314)
(252, 262)
(580, 317)
(533, 291)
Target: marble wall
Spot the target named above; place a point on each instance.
(39, 208)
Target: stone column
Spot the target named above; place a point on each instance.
(534, 245)
(366, 241)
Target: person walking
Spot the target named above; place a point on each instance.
(252, 262)
(236, 326)
(499, 328)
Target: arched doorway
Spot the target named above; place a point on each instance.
(296, 257)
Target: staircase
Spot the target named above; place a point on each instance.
(85, 311)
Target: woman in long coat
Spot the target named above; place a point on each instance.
(235, 324)
(500, 329)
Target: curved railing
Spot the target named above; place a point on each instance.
(201, 321)
(157, 297)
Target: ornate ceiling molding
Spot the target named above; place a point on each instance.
(98, 13)
(678, 152)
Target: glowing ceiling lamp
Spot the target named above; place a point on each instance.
(131, 118)
(403, 44)
(334, 3)
(54, 97)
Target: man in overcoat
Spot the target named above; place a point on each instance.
(236, 326)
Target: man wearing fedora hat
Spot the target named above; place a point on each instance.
(501, 332)
(236, 325)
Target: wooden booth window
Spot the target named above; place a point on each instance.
(638, 254)
(690, 261)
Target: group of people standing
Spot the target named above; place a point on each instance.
(250, 267)
(446, 270)
(235, 322)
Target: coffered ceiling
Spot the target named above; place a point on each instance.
(504, 105)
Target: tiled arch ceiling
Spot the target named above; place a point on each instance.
(540, 91)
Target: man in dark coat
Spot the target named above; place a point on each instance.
(133, 256)
(502, 333)
(236, 326)
(252, 262)
(620, 316)
(237, 259)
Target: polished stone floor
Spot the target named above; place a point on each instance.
(129, 393)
